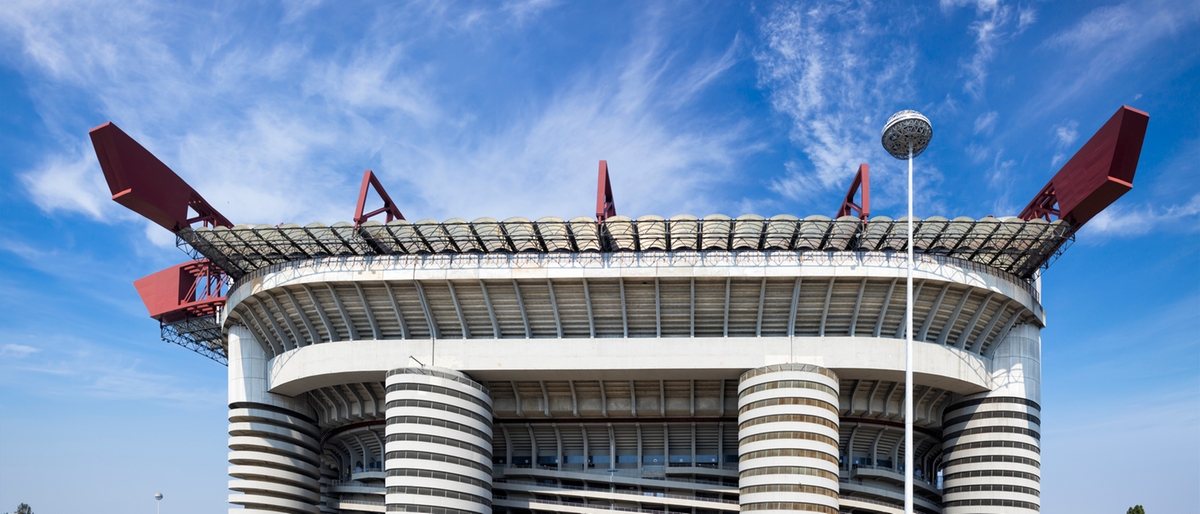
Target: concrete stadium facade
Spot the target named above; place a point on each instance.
(669, 365)
(650, 380)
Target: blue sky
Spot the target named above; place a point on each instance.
(499, 109)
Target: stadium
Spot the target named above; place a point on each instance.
(670, 365)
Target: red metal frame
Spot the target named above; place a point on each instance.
(143, 184)
(863, 179)
(605, 206)
(1097, 175)
(389, 207)
(188, 290)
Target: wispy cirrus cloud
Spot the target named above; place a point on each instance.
(16, 351)
(272, 129)
(71, 182)
(522, 10)
(1026, 15)
(1100, 25)
(1064, 135)
(986, 122)
(1121, 220)
(1106, 42)
(993, 26)
(808, 48)
(64, 365)
(988, 30)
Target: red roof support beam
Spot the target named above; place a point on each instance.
(1097, 175)
(605, 206)
(369, 180)
(143, 184)
(849, 208)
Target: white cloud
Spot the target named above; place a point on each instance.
(374, 80)
(71, 366)
(1000, 169)
(977, 153)
(701, 74)
(992, 27)
(1130, 221)
(1026, 16)
(654, 165)
(270, 130)
(808, 49)
(980, 5)
(294, 10)
(71, 183)
(1098, 26)
(988, 30)
(17, 351)
(986, 122)
(1065, 134)
(1106, 42)
(522, 10)
(798, 182)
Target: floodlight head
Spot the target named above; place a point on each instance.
(906, 129)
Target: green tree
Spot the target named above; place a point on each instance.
(23, 509)
(1136, 509)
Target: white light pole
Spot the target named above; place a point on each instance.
(905, 135)
(158, 504)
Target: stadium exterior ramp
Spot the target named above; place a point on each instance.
(666, 365)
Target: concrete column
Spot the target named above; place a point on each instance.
(273, 439)
(991, 440)
(788, 439)
(439, 442)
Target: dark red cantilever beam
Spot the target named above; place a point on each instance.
(1097, 175)
(143, 184)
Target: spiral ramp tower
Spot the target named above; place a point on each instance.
(667, 365)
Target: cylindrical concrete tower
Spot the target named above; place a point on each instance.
(274, 454)
(992, 440)
(788, 439)
(439, 442)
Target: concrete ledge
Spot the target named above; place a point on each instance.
(327, 364)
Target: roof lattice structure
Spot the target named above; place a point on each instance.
(1009, 245)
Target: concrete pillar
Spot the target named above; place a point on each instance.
(273, 439)
(788, 439)
(991, 440)
(439, 442)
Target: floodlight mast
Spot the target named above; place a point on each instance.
(906, 135)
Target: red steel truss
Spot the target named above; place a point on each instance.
(849, 208)
(369, 180)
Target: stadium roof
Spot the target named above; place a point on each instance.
(1010, 244)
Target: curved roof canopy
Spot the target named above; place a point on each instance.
(1010, 245)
